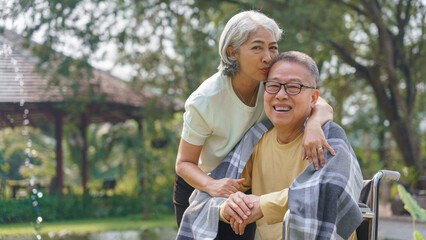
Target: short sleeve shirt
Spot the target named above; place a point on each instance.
(217, 119)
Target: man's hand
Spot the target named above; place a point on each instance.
(237, 206)
(238, 222)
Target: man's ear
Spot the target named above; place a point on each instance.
(314, 97)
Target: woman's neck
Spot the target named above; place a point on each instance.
(246, 91)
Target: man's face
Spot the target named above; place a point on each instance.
(285, 110)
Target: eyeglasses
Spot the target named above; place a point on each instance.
(273, 87)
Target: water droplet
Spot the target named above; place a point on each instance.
(8, 51)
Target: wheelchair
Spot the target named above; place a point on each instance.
(369, 204)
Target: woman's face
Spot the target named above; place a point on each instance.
(255, 54)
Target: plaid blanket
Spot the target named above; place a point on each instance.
(201, 219)
(324, 204)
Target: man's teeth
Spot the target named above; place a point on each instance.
(282, 108)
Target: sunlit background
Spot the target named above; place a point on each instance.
(92, 93)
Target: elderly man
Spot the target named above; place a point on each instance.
(318, 204)
(290, 94)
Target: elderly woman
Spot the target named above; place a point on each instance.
(228, 103)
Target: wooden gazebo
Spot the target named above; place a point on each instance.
(28, 98)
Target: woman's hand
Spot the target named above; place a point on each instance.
(313, 143)
(223, 187)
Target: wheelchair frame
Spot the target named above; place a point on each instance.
(371, 212)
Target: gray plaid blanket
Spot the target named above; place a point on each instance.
(329, 197)
(201, 219)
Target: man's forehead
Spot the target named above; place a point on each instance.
(284, 70)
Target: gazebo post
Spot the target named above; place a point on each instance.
(140, 161)
(58, 137)
(83, 128)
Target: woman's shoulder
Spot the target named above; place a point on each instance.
(212, 87)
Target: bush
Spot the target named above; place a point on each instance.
(16, 211)
(53, 208)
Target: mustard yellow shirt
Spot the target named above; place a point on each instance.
(269, 173)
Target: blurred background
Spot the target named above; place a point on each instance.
(92, 94)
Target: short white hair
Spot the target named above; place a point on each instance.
(237, 31)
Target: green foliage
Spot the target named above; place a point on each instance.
(413, 208)
(15, 148)
(410, 204)
(16, 211)
(54, 208)
(417, 235)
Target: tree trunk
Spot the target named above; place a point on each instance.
(400, 117)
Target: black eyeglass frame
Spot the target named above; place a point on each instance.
(285, 87)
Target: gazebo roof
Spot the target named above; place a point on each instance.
(22, 87)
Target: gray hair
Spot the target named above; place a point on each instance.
(300, 58)
(237, 31)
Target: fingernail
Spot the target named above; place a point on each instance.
(248, 212)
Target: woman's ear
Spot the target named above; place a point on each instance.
(230, 51)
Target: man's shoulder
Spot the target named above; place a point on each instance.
(332, 129)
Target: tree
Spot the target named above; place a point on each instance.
(172, 45)
(383, 42)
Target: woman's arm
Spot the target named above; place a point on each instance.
(187, 168)
(314, 139)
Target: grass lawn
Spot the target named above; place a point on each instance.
(90, 225)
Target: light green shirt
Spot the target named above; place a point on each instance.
(217, 119)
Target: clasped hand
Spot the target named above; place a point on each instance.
(241, 209)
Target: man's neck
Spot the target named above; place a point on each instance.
(286, 135)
